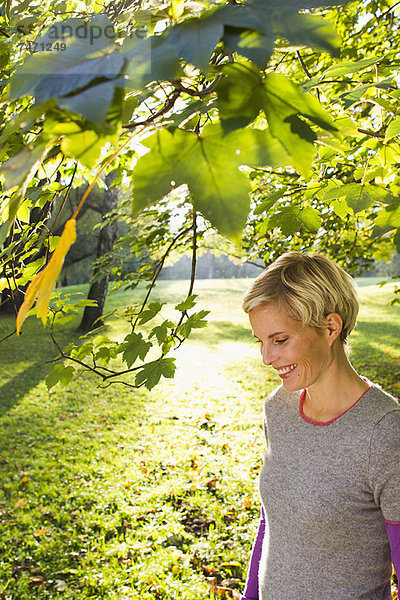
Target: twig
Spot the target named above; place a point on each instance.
(375, 134)
(383, 15)
(200, 93)
(158, 271)
(164, 109)
(8, 336)
(303, 64)
(194, 254)
(12, 295)
(192, 276)
(65, 197)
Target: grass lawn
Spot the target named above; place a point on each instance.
(124, 494)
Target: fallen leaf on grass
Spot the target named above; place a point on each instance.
(36, 580)
(40, 532)
(21, 502)
(61, 585)
(248, 502)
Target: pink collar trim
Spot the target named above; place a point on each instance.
(324, 424)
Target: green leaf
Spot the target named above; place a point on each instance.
(161, 331)
(255, 46)
(85, 146)
(240, 17)
(393, 129)
(81, 352)
(354, 95)
(270, 201)
(240, 95)
(287, 218)
(22, 166)
(396, 241)
(308, 30)
(186, 304)
(59, 374)
(93, 103)
(340, 208)
(358, 197)
(194, 40)
(19, 170)
(55, 74)
(338, 192)
(134, 347)
(64, 82)
(87, 302)
(207, 163)
(257, 147)
(347, 67)
(150, 59)
(106, 353)
(245, 33)
(388, 218)
(290, 5)
(311, 218)
(283, 90)
(283, 102)
(151, 373)
(296, 136)
(195, 321)
(152, 310)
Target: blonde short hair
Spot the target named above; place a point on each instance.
(309, 286)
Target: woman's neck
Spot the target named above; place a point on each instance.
(336, 392)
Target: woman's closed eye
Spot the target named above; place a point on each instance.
(281, 341)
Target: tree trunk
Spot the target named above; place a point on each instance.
(98, 290)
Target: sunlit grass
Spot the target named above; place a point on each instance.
(122, 494)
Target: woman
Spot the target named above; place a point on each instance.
(330, 482)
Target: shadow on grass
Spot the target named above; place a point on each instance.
(24, 359)
(218, 332)
(372, 355)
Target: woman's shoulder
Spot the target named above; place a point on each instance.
(375, 406)
(382, 401)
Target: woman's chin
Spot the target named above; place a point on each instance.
(292, 385)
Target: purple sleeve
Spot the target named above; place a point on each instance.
(251, 587)
(393, 531)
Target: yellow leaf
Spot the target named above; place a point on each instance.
(177, 8)
(43, 284)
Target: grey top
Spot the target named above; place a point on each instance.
(327, 490)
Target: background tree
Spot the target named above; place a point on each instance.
(105, 243)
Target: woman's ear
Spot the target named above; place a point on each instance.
(334, 325)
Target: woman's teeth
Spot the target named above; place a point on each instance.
(284, 370)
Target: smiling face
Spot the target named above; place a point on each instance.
(300, 354)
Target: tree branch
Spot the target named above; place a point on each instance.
(158, 271)
(168, 105)
(303, 64)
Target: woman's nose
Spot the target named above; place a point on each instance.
(267, 354)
